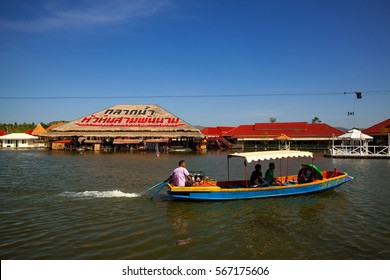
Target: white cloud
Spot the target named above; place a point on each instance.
(85, 13)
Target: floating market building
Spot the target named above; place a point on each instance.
(126, 127)
(276, 136)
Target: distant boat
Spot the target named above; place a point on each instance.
(232, 190)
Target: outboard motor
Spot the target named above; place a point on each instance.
(197, 176)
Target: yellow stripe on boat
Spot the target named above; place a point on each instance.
(194, 188)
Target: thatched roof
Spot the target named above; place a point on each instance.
(38, 130)
(132, 121)
(54, 125)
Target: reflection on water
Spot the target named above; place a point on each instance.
(179, 221)
(57, 205)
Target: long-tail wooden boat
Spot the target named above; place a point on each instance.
(233, 190)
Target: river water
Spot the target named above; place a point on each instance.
(69, 205)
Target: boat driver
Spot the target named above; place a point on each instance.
(180, 175)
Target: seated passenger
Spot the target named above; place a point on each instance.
(257, 180)
(303, 175)
(269, 176)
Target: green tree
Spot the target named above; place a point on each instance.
(315, 120)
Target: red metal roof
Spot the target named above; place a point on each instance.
(211, 131)
(382, 128)
(225, 129)
(2, 133)
(291, 129)
(216, 131)
(280, 126)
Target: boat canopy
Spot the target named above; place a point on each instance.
(267, 155)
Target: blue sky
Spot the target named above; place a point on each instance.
(253, 51)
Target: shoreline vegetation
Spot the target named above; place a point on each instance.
(23, 127)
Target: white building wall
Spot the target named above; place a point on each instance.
(9, 143)
(17, 144)
(25, 143)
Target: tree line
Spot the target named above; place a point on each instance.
(22, 127)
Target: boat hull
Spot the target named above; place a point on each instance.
(233, 192)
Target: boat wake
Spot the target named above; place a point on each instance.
(99, 194)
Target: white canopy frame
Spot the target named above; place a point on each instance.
(266, 155)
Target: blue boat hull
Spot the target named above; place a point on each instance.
(235, 193)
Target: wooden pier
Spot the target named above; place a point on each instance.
(356, 145)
